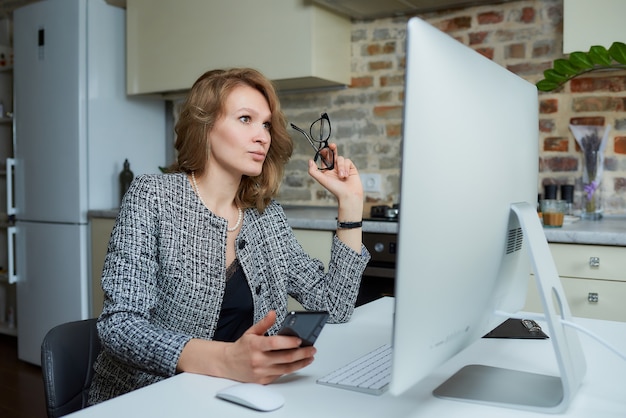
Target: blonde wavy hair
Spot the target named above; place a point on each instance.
(204, 105)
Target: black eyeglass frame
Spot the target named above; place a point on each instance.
(319, 144)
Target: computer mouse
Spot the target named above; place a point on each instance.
(252, 395)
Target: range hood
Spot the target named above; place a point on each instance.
(372, 9)
(169, 44)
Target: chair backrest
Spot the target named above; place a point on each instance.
(68, 352)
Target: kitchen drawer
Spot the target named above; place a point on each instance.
(100, 235)
(574, 260)
(609, 296)
(316, 243)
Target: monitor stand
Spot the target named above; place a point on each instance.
(523, 390)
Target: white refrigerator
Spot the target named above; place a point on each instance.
(74, 127)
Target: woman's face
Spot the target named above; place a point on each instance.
(240, 138)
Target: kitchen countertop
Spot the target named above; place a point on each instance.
(611, 230)
(300, 217)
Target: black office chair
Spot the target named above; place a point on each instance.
(68, 352)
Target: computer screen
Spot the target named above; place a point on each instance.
(470, 151)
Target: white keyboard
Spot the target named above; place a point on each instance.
(370, 373)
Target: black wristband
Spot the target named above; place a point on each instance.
(349, 225)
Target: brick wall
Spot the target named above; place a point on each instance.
(524, 36)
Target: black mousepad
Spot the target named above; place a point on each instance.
(516, 328)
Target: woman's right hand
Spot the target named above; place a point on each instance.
(254, 357)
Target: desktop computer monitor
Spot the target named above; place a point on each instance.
(469, 153)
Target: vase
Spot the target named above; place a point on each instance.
(592, 141)
(592, 182)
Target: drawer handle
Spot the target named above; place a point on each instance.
(594, 262)
(592, 297)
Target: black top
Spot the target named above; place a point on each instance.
(237, 311)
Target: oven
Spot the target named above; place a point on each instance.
(379, 276)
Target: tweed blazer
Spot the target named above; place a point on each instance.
(164, 279)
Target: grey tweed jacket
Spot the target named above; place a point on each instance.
(164, 279)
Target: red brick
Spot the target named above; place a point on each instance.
(555, 14)
(490, 18)
(515, 51)
(541, 50)
(457, 23)
(393, 130)
(598, 104)
(588, 120)
(402, 63)
(505, 35)
(389, 48)
(396, 80)
(380, 65)
(556, 144)
(528, 68)
(593, 84)
(388, 111)
(546, 125)
(548, 106)
(476, 38)
(619, 184)
(528, 15)
(620, 145)
(362, 81)
(373, 49)
(555, 164)
(486, 52)
(385, 96)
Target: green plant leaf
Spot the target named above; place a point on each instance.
(546, 85)
(564, 67)
(580, 60)
(552, 75)
(580, 63)
(618, 52)
(599, 55)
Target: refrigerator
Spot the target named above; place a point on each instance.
(73, 128)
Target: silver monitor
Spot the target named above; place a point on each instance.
(469, 172)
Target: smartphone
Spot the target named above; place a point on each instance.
(305, 325)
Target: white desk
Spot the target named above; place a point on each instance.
(188, 395)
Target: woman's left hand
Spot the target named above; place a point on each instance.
(342, 181)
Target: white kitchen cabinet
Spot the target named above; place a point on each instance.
(100, 235)
(587, 23)
(294, 43)
(316, 243)
(593, 279)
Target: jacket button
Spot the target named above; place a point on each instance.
(242, 244)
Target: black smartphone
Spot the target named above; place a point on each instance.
(305, 325)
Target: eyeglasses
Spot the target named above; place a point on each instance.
(318, 137)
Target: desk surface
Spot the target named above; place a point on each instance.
(189, 395)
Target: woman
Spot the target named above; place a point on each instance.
(201, 261)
